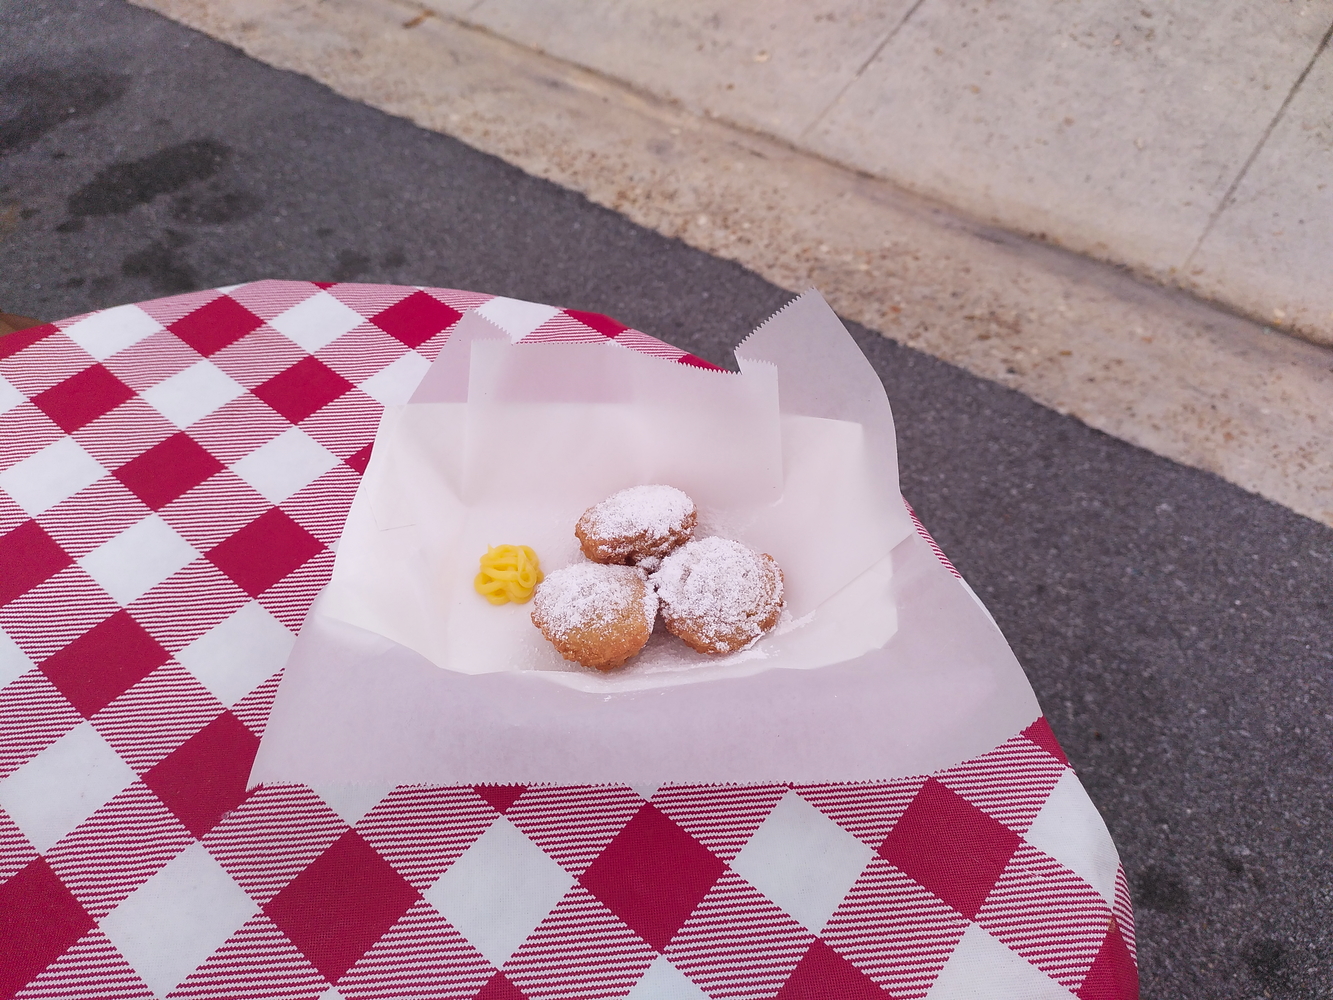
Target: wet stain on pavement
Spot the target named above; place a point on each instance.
(1268, 960)
(162, 265)
(35, 102)
(351, 265)
(1161, 889)
(122, 186)
(215, 208)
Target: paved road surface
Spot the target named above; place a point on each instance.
(1178, 631)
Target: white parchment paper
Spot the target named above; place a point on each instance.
(883, 666)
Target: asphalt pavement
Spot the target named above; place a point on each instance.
(1177, 630)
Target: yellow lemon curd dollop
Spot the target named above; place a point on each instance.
(508, 573)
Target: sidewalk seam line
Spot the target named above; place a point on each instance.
(667, 107)
(893, 33)
(1227, 198)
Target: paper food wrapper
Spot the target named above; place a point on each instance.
(883, 665)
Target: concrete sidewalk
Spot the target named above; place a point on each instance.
(791, 139)
(1190, 142)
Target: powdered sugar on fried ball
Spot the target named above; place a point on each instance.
(642, 522)
(718, 595)
(594, 614)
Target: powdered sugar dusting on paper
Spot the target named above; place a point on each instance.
(591, 593)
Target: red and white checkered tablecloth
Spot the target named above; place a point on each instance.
(174, 476)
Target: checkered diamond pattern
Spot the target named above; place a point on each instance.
(30, 556)
(39, 920)
(80, 399)
(172, 477)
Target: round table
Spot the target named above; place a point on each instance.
(174, 476)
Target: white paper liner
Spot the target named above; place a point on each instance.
(354, 707)
(402, 673)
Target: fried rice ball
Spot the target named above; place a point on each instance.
(718, 595)
(595, 614)
(642, 523)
